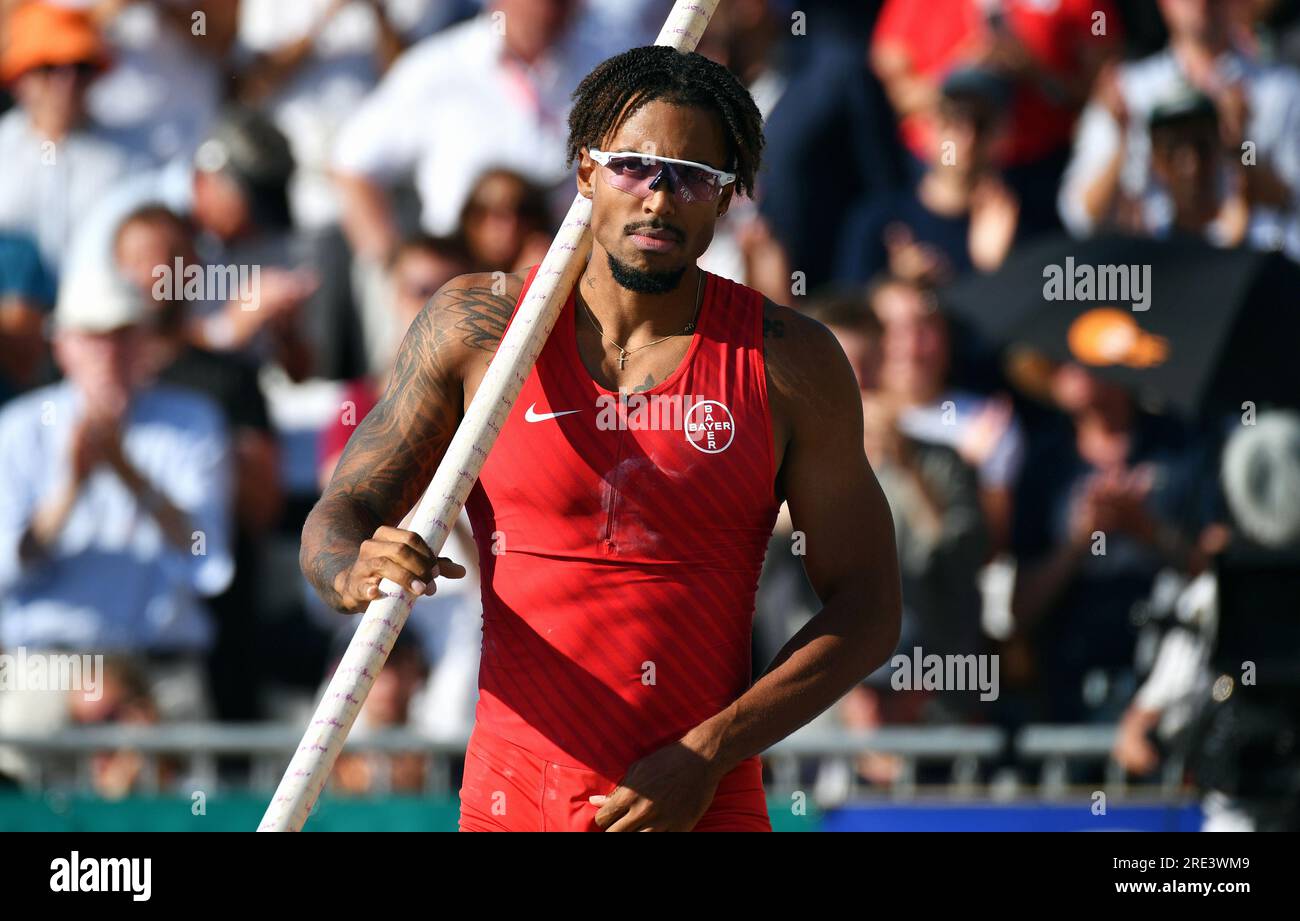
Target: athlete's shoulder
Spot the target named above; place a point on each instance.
(788, 335)
(475, 289)
(791, 338)
(466, 317)
(805, 363)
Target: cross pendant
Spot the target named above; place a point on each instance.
(622, 359)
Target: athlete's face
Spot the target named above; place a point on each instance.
(661, 234)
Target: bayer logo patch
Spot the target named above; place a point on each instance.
(709, 427)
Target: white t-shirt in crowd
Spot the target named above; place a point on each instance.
(453, 106)
(315, 101)
(1273, 126)
(46, 188)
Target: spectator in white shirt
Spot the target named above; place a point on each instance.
(1208, 190)
(115, 524)
(493, 91)
(309, 64)
(57, 161)
(1110, 179)
(117, 493)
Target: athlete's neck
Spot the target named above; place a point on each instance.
(628, 316)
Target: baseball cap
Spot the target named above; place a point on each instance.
(247, 146)
(97, 302)
(44, 34)
(1183, 104)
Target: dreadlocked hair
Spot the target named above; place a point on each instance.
(621, 85)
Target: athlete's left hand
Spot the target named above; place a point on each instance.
(668, 790)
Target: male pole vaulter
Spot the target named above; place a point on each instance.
(621, 539)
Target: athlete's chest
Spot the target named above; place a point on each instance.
(704, 426)
(684, 404)
(673, 472)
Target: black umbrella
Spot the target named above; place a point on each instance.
(1177, 322)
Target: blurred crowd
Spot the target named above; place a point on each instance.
(218, 217)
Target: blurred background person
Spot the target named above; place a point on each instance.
(1110, 178)
(125, 700)
(505, 223)
(934, 496)
(26, 298)
(960, 216)
(1108, 495)
(150, 237)
(1207, 189)
(169, 60)
(504, 226)
(309, 66)
(235, 193)
(116, 526)
(58, 161)
(471, 97)
(848, 314)
(916, 373)
(1049, 52)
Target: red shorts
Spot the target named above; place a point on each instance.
(507, 788)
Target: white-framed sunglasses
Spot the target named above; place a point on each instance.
(640, 174)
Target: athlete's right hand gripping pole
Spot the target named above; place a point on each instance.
(441, 503)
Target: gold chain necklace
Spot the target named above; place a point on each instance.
(623, 353)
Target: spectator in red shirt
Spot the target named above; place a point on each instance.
(1052, 50)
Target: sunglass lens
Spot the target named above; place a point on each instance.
(636, 175)
(635, 167)
(629, 174)
(697, 183)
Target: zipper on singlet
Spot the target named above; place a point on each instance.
(613, 494)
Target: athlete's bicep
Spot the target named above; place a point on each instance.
(833, 495)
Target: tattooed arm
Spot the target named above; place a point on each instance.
(350, 541)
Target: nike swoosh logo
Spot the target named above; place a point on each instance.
(532, 415)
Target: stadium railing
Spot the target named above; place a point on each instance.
(955, 761)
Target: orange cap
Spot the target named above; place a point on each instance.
(42, 34)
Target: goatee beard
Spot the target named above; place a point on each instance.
(643, 282)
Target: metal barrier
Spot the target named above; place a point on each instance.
(1058, 746)
(62, 759)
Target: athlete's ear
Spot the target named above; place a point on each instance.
(586, 179)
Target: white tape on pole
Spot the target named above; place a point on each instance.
(441, 503)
